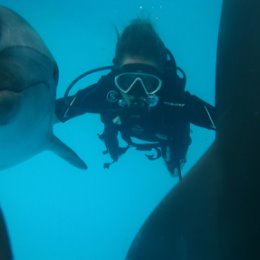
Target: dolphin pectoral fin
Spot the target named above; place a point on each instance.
(65, 152)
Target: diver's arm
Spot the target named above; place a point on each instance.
(200, 112)
(91, 99)
(73, 106)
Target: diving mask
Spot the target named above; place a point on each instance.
(133, 78)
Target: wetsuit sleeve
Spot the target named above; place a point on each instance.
(91, 99)
(199, 112)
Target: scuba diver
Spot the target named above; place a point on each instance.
(142, 98)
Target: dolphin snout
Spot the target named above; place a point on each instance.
(8, 106)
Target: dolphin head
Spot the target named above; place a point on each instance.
(23, 58)
(28, 81)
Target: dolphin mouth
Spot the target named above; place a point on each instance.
(9, 103)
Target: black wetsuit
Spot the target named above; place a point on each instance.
(167, 125)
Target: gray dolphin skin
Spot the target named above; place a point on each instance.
(214, 213)
(5, 248)
(28, 81)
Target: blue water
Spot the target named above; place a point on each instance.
(54, 211)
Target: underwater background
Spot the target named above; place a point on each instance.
(54, 211)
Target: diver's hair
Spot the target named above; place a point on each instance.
(140, 40)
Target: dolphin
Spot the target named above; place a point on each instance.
(5, 247)
(28, 82)
(214, 213)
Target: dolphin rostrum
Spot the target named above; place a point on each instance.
(214, 213)
(28, 81)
